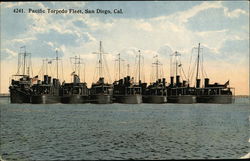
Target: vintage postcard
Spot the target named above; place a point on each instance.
(141, 80)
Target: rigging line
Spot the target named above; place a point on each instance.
(123, 69)
(143, 74)
(183, 73)
(170, 64)
(151, 75)
(135, 69)
(202, 68)
(62, 70)
(94, 75)
(203, 64)
(190, 62)
(107, 69)
(192, 72)
(115, 72)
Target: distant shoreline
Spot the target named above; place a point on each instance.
(4, 94)
(241, 96)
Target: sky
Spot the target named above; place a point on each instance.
(153, 27)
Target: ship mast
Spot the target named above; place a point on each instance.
(24, 59)
(100, 53)
(56, 64)
(157, 63)
(176, 54)
(119, 65)
(23, 63)
(139, 65)
(45, 65)
(77, 61)
(127, 69)
(197, 73)
(100, 60)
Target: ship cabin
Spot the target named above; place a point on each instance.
(157, 88)
(179, 88)
(75, 88)
(214, 89)
(46, 86)
(126, 86)
(101, 88)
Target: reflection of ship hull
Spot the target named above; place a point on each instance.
(45, 99)
(17, 96)
(128, 99)
(74, 99)
(101, 99)
(154, 99)
(220, 99)
(184, 99)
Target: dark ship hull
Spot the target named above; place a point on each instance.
(17, 96)
(128, 99)
(74, 99)
(154, 99)
(101, 99)
(182, 99)
(45, 99)
(216, 99)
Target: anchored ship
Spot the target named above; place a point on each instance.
(126, 91)
(46, 91)
(49, 90)
(20, 87)
(215, 93)
(101, 92)
(156, 92)
(77, 91)
(180, 92)
(212, 93)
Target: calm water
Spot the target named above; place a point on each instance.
(118, 131)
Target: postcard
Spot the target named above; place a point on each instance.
(102, 80)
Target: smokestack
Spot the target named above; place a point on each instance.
(76, 79)
(171, 81)
(49, 80)
(206, 82)
(198, 81)
(177, 80)
(54, 81)
(45, 79)
(125, 80)
(184, 83)
(128, 78)
(164, 82)
(120, 81)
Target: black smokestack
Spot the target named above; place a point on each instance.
(177, 80)
(184, 83)
(171, 81)
(206, 82)
(45, 79)
(49, 80)
(198, 81)
(164, 82)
